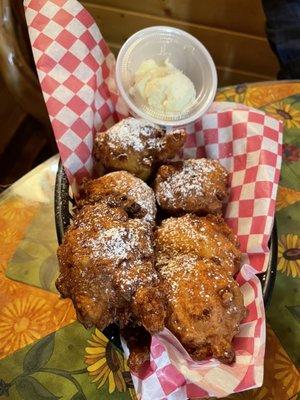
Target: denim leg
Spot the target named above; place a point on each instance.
(283, 33)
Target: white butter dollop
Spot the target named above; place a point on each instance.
(163, 87)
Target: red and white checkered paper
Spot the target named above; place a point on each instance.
(76, 72)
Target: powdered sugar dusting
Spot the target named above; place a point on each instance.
(198, 237)
(145, 197)
(139, 191)
(119, 242)
(191, 180)
(177, 267)
(131, 132)
(185, 267)
(128, 252)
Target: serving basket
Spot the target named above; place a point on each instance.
(64, 203)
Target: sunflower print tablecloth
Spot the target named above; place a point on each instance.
(46, 354)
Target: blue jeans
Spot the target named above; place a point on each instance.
(283, 33)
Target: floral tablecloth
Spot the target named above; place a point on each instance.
(46, 354)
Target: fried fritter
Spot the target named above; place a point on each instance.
(135, 145)
(107, 269)
(205, 306)
(203, 237)
(124, 190)
(196, 258)
(198, 186)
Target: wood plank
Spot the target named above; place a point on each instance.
(237, 15)
(229, 49)
(229, 76)
(226, 76)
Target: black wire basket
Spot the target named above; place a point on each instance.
(64, 203)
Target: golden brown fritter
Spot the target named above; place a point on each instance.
(198, 186)
(205, 306)
(196, 258)
(204, 237)
(107, 269)
(124, 190)
(135, 145)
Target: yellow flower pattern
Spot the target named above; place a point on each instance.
(9, 237)
(233, 93)
(259, 95)
(286, 373)
(284, 112)
(3, 265)
(21, 322)
(105, 363)
(289, 254)
(64, 313)
(286, 197)
(15, 209)
(8, 287)
(27, 313)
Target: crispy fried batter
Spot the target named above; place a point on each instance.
(107, 257)
(196, 258)
(124, 190)
(106, 268)
(205, 306)
(198, 186)
(204, 237)
(134, 145)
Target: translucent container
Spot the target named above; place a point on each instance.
(186, 53)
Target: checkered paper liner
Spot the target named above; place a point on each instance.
(76, 72)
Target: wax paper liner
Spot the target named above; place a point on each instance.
(76, 71)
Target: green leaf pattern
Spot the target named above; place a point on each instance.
(38, 356)
(31, 389)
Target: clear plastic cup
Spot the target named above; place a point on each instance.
(185, 52)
